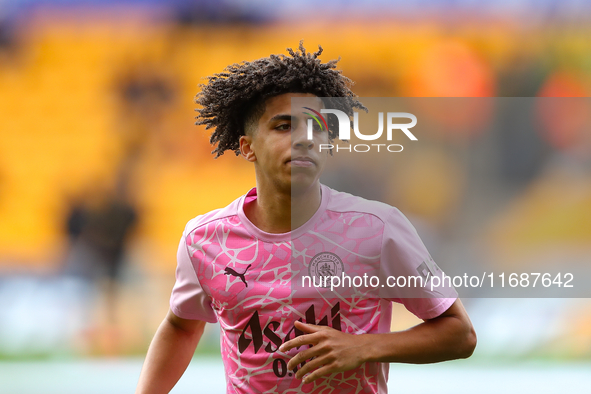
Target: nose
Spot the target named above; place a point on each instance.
(299, 137)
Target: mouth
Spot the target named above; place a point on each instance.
(302, 161)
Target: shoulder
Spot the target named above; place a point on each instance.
(345, 202)
(210, 217)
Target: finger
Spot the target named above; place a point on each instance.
(308, 328)
(325, 370)
(311, 366)
(303, 356)
(306, 339)
(304, 326)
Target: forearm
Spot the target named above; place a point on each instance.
(169, 355)
(447, 337)
(428, 342)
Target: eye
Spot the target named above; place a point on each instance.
(315, 124)
(283, 126)
(317, 127)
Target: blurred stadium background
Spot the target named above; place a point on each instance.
(101, 166)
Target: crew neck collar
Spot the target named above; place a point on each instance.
(281, 237)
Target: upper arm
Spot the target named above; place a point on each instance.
(188, 325)
(458, 321)
(455, 310)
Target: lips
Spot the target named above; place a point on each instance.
(302, 161)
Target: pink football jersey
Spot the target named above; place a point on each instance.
(257, 284)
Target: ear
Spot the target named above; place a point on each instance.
(246, 148)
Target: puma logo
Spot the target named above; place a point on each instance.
(230, 271)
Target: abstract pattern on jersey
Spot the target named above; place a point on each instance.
(243, 279)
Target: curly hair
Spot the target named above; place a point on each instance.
(233, 101)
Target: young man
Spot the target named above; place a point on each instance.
(236, 264)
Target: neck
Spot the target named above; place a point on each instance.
(276, 211)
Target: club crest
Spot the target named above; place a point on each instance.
(325, 265)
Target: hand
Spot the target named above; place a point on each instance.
(332, 351)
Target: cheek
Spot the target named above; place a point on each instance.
(321, 138)
(323, 156)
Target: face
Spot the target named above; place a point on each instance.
(284, 157)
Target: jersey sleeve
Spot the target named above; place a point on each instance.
(405, 255)
(188, 299)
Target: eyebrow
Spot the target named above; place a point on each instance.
(280, 117)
